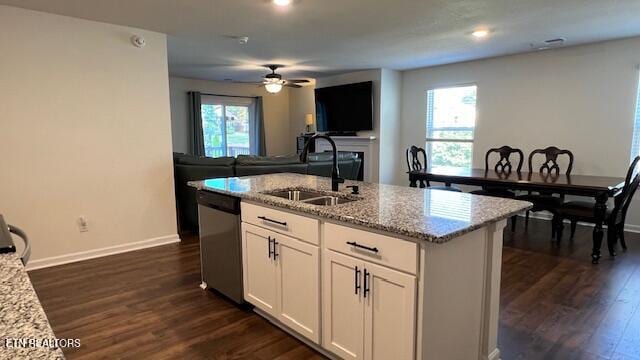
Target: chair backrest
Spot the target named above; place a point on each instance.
(623, 199)
(550, 165)
(503, 165)
(413, 158)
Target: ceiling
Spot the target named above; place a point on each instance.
(321, 37)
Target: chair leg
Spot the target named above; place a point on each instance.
(559, 228)
(611, 240)
(573, 228)
(526, 219)
(620, 230)
(514, 219)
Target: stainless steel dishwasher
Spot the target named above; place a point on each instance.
(220, 244)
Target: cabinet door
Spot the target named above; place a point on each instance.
(298, 278)
(259, 276)
(390, 311)
(343, 307)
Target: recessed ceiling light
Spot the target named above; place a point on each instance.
(481, 33)
(282, 2)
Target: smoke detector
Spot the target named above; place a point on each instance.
(138, 41)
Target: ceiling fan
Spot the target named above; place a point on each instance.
(274, 82)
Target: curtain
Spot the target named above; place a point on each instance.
(258, 145)
(195, 123)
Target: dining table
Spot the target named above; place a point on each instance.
(600, 188)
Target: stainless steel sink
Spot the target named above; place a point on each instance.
(296, 195)
(310, 197)
(328, 200)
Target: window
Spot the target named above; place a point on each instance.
(451, 120)
(635, 144)
(226, 125)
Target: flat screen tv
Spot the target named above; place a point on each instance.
(345, 108)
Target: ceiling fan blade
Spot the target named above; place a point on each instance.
(293, 85)
(246, 82)
(298, 81)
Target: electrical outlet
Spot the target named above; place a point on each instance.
(83, 224)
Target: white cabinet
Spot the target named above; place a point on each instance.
(368, 310)
(281, 277)
(259, 269)
(389, 316)
(298, 279)
(342, 305)
(368, 283)
(297, 226)
(381, 297)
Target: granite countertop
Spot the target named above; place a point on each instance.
(21, 315)
(424, 214)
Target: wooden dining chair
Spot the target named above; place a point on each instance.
(548, 168)
(615, 218)
(502, 167)
(415, 163)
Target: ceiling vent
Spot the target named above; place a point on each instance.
(548, 44)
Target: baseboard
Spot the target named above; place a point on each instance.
(546, 216)
(96, 253)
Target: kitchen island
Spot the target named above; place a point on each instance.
(389, 272)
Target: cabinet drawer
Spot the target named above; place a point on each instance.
(380, 249)
(301, 227)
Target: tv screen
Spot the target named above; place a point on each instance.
(345, 108)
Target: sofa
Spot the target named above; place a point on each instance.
(190, 168)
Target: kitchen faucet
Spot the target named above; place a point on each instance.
(335, 173)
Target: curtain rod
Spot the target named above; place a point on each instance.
(236, 96)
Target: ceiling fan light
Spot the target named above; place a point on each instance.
(273, 88)
(282, 2)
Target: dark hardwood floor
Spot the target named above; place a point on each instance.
(147, 305)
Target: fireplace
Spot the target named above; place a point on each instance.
(363, 146)
(360, 154)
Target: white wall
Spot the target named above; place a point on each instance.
(579, 98)
(390, 134)
(276, 112)
(85, 131)
(301, 102)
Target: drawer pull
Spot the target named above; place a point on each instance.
(283, 223)
(353, 243)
